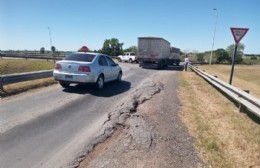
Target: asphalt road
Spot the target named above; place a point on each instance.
(48, 127)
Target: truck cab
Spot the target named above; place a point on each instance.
(127, 57)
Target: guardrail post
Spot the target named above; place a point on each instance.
(247, 91)
(242, 108)
(1, 84)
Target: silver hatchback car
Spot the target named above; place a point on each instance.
(86, 67)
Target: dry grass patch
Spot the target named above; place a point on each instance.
(11, 66)
(224, 136)
(26, 86)
(246, 77)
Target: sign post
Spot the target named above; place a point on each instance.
(238, 34)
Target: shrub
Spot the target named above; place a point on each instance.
(253, 58)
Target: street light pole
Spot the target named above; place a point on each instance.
(50, 35)
(215, 9)
(53, 54)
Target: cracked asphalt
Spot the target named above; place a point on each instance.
(53, 127)
(134, 123)
(149, 136)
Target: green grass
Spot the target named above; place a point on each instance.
(11, 66)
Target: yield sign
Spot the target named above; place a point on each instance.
(238, 33)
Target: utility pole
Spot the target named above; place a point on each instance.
(53, 54)
(215, 9)
(50, 36)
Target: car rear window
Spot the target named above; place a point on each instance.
(81, 57)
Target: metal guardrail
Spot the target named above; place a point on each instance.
(21, 77)
(31, 56)
(243, 98)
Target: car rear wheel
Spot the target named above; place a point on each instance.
(119, 60)
(64, 84)
(100, 82)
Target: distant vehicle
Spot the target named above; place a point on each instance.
(127, 57)
(156, 52)
(175, 55)
(87, 67)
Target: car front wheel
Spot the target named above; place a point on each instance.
(119, 77)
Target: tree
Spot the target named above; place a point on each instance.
(222, 56)
(106, 49)
(53, 49)
(119, 49)
(200, 57)
(253, 57)
(42, 50)
(112, 47)
(131, 49)
(240, 50)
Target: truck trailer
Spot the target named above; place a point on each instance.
(156, 52)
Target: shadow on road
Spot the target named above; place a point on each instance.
(110, 89)
(174, 68)
(168, 68)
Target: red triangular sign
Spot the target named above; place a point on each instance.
(238, 33)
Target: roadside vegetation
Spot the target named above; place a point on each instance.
(223, 56)
(11, 66)
(245, 77)
(223, 136)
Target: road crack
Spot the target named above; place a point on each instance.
(116, 119)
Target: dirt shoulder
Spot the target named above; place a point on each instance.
(153, 136)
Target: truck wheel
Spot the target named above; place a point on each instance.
(119, 60)
(140, 64)
(130, 60)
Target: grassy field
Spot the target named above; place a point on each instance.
(223, 136)
(10, 66)
(246, 77)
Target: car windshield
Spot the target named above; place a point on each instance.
(81, 57)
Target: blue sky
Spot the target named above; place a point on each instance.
(186, 24)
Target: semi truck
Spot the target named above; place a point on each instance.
(156, 52)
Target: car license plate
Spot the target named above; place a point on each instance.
(68, 76)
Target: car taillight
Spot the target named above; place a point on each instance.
(84, 69)
(58, 66)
